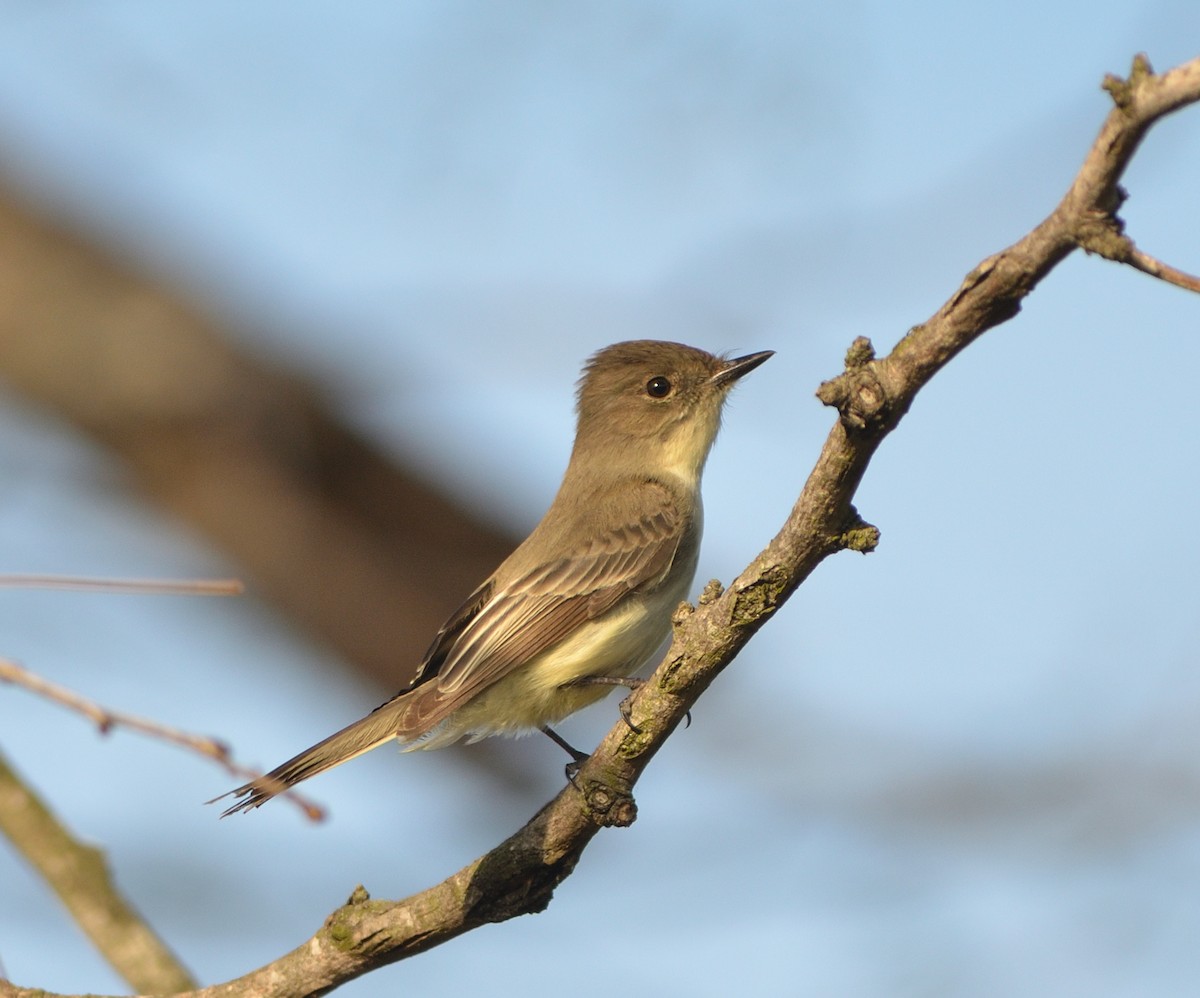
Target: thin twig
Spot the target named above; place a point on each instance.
(105, 720)
(169, 587)
(1163, 271)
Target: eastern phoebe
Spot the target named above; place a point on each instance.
(588, 596)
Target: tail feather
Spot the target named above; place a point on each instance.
(352, 741)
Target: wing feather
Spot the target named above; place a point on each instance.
(499, 628)
(550, 601)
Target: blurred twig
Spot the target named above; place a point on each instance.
(169, 587)
(105, 720)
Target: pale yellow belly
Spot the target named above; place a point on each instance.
(617, 644)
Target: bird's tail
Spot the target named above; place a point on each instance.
(353, 740)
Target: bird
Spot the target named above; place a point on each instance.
(587, 598)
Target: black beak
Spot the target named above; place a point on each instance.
(734, 369)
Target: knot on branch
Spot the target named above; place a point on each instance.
(1124, 92)
(712, 592)
(858, 535)
(857, 393)
(761, 597)
(608, 806)
(1103, 233)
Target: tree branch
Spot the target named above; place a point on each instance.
(80, 877)
(105, 720)
(172, 587)
(1164, 272)
(323, 523)
(871, 396)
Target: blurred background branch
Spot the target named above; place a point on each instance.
(360, 553)
(78, 873)
(106, 719)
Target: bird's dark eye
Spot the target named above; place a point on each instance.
(658, 388)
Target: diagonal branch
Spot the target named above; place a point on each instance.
(1163, 271)
(1106, 237)
(871, 396)
(80, 877)
(106, 719)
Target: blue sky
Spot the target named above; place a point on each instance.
(964, 765)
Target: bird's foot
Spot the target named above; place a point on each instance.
(631, 683)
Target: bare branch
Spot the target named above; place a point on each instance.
(1105, 238)
(1095, 197)
(105, 720)
(79, 875)
(1164, 272)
